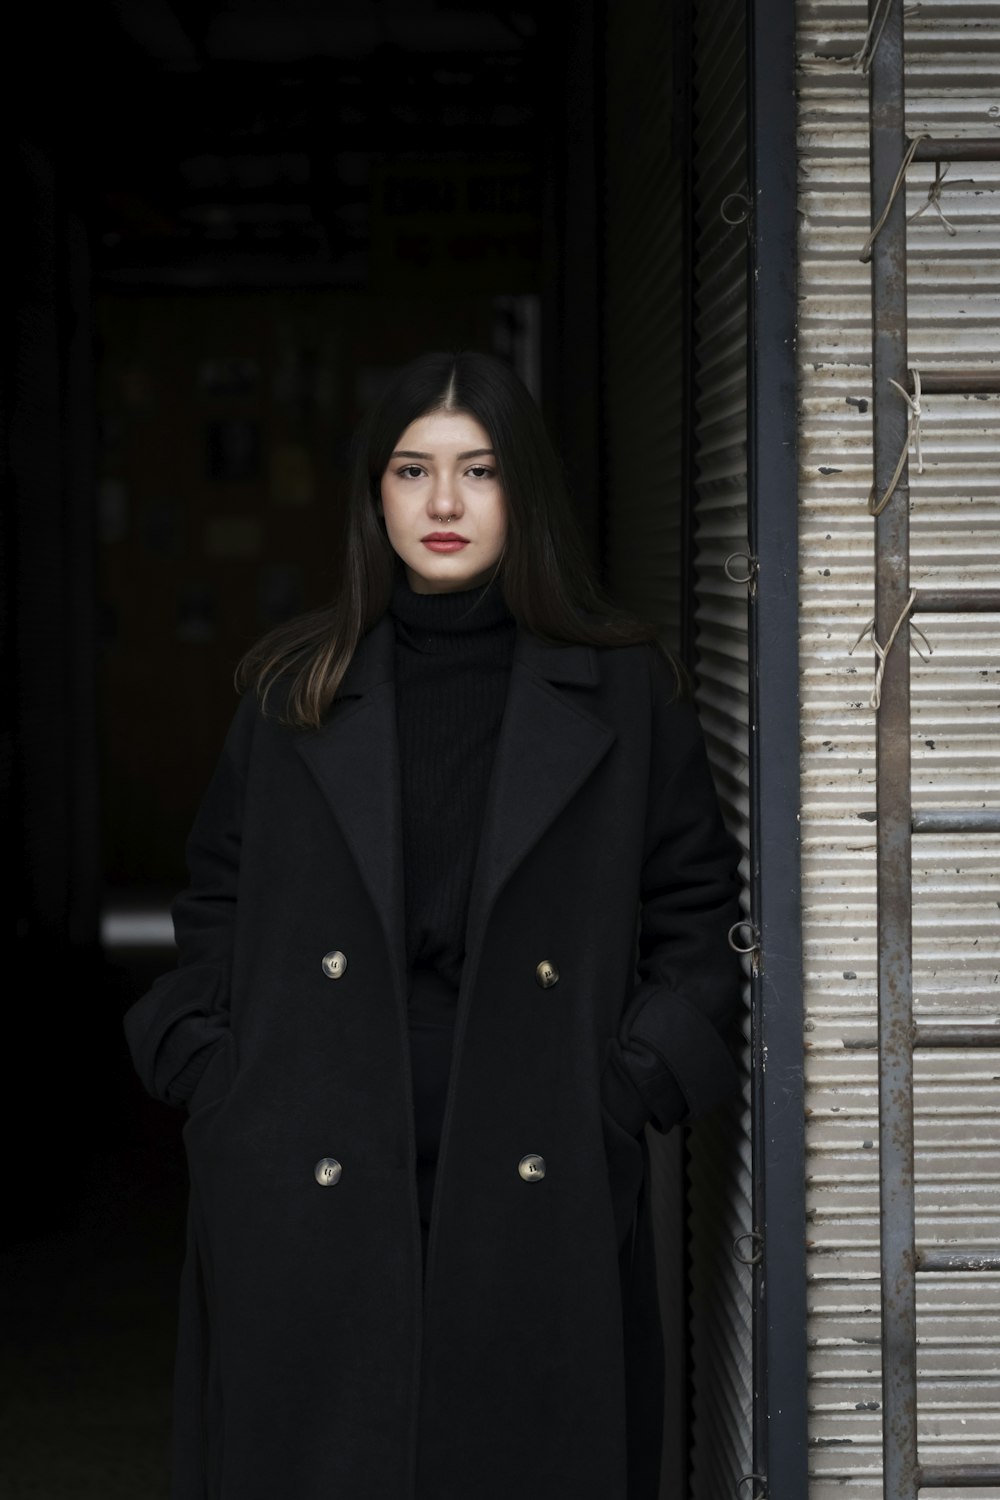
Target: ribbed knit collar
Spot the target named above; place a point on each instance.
(460, 620)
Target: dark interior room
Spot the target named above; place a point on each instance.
(232, 222)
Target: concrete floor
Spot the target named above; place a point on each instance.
(88, 1308)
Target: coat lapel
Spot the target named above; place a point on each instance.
(354, 757)
(549, 744)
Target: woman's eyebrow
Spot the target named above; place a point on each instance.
(472, 453)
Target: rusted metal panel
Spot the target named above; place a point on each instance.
(893, 853)
(953, 89)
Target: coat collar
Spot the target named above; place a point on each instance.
(549, 743)
(372, 662)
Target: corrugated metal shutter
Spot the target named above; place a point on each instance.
(651, 437)
(643, 398)
(719, 1166)
(953, 74)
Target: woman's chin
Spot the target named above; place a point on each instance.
(440, 575)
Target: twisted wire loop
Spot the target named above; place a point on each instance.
(933, 199)
(866, 253)
(882, 652)
(912, 439)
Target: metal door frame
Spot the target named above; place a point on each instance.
(780, 1439)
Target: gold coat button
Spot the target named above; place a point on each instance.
(547, 974)
(327, 1171)
(334, 964)
(532, 1167)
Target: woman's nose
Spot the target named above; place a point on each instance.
(444, 498)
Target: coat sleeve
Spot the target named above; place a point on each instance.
(175, 1028)
(671, 1060)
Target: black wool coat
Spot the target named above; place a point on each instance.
(314, 1361)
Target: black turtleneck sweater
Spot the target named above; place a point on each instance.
(452, 664)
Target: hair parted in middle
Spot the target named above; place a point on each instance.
(543, 572)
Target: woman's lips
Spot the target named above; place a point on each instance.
(445, 543)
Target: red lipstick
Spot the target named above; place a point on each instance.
(444, 541)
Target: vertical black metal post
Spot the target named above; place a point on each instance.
(892, 587)
(780, 1374)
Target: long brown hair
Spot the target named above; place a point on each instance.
(545, 577)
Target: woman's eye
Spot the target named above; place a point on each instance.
(481, 471)
(409, 471)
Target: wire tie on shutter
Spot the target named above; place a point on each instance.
(875, 508)
(752, 1479)
(882, 652)
(752, 948)
(933, 199)
(915, 630)
(863, 57)
(748, 576)
(866, 253)
(756, 1254)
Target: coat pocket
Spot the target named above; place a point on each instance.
(620, 1099)
(625, 1160)
(215, 1082)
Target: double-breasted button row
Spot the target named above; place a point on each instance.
(328, 1170)
(335, 966)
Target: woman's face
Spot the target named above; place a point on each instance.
(444, 510)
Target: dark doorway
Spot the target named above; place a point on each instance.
(232, 221)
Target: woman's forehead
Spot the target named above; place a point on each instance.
(450, 433)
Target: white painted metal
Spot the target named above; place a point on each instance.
(953, 89)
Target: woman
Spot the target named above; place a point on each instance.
(455, 932)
